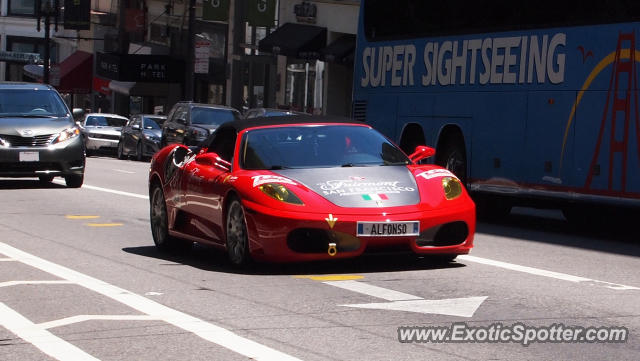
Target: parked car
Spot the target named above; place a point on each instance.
(269, 112)
(102, 131)
(140, 138)
(301, 188)
(190, 123)
(38, 137)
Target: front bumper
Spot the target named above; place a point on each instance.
(93, 143)
(150, 147)
(290, 237)
(66, 158)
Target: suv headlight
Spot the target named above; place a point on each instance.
(66, 135)
(3, 143)
(150, 137)
(199, 133)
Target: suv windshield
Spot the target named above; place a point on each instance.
(318, 146)
(104, 121)
(31, 102)
(211, 116)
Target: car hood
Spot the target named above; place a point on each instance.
(103, 130)
(32, 127)
(360, 187)
(153, 132)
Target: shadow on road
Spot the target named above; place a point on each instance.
(210, 259)
(550, 227)
(27, 184)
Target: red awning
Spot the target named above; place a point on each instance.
(75, 73)
(101, 85)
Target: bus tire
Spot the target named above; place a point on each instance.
(452, 156)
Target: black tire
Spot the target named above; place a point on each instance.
(121, 150)
(139, 156)
(74, 180)
(160, 223)
(45, 178)
(237, 240)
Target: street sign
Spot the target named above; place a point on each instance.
(201, 56)
(17, 57)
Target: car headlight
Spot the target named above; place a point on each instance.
(452, 187)
(66, 135)
(280, 192)
(151, 137)
(3, 143)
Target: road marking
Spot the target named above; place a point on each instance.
(205, 330)
(39, 337)
(124, 171)
(6, 259)
(399, 301)
(546, 273)
(18, 283)
(83, 318)
(104, 224)
(461, 307)
(81, 217)
(332, 277)
(128, 194)
(153, 294)
(374, 291)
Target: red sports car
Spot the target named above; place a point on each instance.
(306, 188)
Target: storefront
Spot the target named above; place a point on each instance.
(140, 83)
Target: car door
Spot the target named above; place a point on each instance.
(206, 185)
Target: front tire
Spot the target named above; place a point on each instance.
(160, 222)
(74, 180)
(139, 156)
(236, 235)
(120, 150)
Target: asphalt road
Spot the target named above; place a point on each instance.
(80, 279)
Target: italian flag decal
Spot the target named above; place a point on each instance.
(375, 197)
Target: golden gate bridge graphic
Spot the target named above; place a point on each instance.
(618, 111)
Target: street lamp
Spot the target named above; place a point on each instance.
(47, 9)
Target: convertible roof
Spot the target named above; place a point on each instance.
(240, 125)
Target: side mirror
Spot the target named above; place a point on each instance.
(77, 113)
(213, 160)
(135, 127)
(422, 152)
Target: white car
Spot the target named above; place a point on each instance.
(102, 131)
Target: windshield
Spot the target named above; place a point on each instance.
(152, 123)
(318, 146)
(105, 121)
(212, 116)
(31, 102)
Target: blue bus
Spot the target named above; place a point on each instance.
(523, 100)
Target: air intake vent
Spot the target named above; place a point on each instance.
(37, 141)
(360, 110)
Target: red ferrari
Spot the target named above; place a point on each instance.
(306, 188)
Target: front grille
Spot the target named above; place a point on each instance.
(37, 141)
(314, 240)
(24, 167)
(105, 136)
(448, 234)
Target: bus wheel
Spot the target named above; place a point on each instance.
(452, 156)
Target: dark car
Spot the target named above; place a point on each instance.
(190, 123)
(140, 138)
(38, 137)
(269, 112)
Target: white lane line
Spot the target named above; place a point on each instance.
(82, 318)
(128, 194)
(371, 290)
(124, 171)
(205, 330)
(6, 259)
(39, 337)
(17, 283)
(546, 273)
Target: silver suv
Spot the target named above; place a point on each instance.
(38, 137)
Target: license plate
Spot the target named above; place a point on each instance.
(388, 229)
(29, 156)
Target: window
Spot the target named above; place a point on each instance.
(21, 7)
(384, 20)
